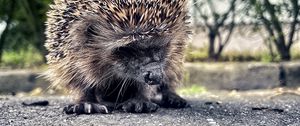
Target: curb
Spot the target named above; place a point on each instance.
(215, 76)
(243, 76)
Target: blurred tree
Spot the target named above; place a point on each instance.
(274, 16)
(6, 13)
(24, 21)
(216, 23)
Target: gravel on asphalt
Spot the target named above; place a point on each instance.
(208, 109)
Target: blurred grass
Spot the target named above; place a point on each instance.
(191, 90)
(200, 55)
(24, 58)
(295, 54)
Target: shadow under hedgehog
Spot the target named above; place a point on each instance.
(117, 54)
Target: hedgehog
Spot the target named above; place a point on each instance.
(122, 55)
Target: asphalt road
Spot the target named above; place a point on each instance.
(220, 109)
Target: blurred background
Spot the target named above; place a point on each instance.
(236, 45)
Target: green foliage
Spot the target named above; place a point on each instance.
(191, 90)
(199, 55)
(24, 58)
(262, 56)
(295, 54)
(25, 27)
(196, 54)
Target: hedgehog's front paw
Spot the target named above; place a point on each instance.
(87, 108)
(138, 106)
(172, 100)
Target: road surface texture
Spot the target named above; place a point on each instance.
(255, 108)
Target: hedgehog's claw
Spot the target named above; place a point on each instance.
(87, 108)
(138, 106)
(172, 100)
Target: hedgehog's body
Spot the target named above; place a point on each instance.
(117, 52)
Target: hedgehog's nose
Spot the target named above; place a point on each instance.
(153, 77)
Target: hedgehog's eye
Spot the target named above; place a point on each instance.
(91, 31)
(125, 52)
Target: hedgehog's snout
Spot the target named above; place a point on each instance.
(153, 78)
(153, 75)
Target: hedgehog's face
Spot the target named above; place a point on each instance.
(142, 61)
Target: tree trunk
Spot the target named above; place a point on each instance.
(217, 56)
(211, 48)
(283, 50)
(2, 41)
(285, 54)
